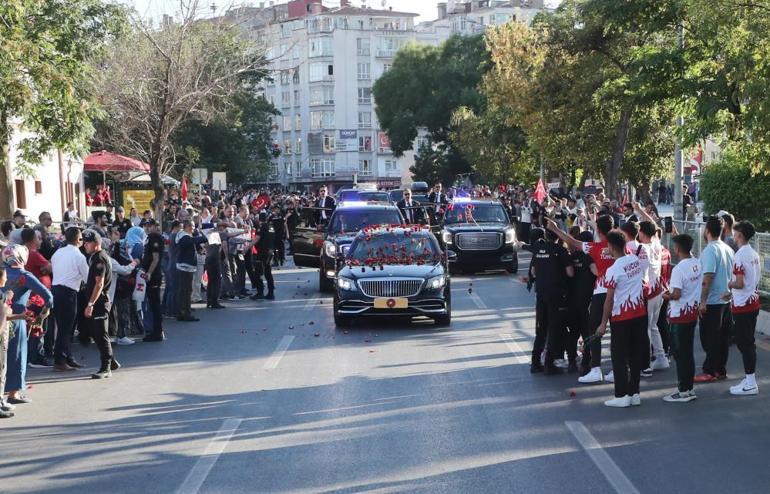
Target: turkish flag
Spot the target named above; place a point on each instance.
(540, 192)
(183, 191)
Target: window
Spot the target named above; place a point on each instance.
(391, 165)
(286, 98)
(295, 52)
(320, 47)
(389, 46)
(21, 194)
(295, 77)
(273, 173)
(297, 122)
(297, 168)
(328, 143)
(363, 47)
(364, 71)
(364, 167)
(364, 120)
(287, 170)
(364, 144)
(284, 77)
(298, 146)
(321, 72)
(38, 187)
(296, 97)
(321, 120)
(385, 67)
(364, 95)
(287, 146)
(322, 168)
(286, 123)
(271, 99)
(322, 95)
(422, 142)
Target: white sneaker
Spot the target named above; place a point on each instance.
(660, 363)
(125, 341)
(743, 389)
(610, 377)
(594, 376)
(636, 400)
(680, 397)
(623, 402)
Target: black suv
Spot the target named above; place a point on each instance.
(394, 272)
(481, 234)
(324, 247)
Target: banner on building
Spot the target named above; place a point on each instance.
(383, 142)
(219, 181)
(347, 141)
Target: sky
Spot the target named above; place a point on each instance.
(155, 8)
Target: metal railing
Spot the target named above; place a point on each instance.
(760, 242)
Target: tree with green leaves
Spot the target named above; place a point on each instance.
(424, 87)
(46, 50)
(158, 79)
(238, 142)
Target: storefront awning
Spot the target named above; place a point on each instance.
(105, 161)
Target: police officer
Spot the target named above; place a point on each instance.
(264, 241)
(552, 267)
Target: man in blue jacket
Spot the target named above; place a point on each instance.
(186, 265)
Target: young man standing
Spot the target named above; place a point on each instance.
(601, 257)
(683, 296)
(717, 262)
(745, 305)
(98, 308)
(151, 257)
(625, 308)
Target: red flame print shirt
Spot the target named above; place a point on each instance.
(625, 276)
(746, 262)
(687, 276)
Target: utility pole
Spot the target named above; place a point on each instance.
(678, 161)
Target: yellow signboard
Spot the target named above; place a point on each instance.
(139, 199)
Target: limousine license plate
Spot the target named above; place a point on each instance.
(391, 303)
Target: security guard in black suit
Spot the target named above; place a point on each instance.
(263, 265)
(411, 210)
(552, 266)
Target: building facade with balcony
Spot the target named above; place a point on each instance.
(324, 63)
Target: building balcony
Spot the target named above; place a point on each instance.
(382, 53)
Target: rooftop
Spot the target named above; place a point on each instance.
(369, 12)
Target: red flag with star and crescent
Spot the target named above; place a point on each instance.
(540, 192)
(183, 191)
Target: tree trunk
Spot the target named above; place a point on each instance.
(6, 189)
(618, 152)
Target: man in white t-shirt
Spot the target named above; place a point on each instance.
(683, 296)
(653, 292)
(625, 308)
(745, 305)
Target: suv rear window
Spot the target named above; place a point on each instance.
(353, 220)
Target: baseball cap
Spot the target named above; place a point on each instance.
(91, 236)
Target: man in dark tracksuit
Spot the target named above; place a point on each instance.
(265, 243)
(581, 289)
(214, 259)
(552, 267)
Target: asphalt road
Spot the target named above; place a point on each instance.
(269, 397)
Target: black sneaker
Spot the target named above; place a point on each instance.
(257, 296)
(535, 368)
(102, 374)
(552, 370)
(41, 364)
(572, 368)
(270, 296)
(114, 364)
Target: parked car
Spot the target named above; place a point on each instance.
(394, 272)
(481, 235)
(324, 247)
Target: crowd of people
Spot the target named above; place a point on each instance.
(612, 272)
(113, 277)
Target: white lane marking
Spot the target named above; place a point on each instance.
(205, 463)
(477, 300)
(515, 348)
(311, 302)
(601, 459)
(277, 355)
